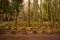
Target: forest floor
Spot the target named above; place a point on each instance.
(19, 36)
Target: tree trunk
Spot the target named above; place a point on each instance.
(16, 20)
(40, 18)
(28, 13)
(35, 10)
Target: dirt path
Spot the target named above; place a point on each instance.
(30, 37)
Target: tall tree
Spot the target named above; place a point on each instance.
(4, 7)
(28, 13)
(35, 8)
(17, 7)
